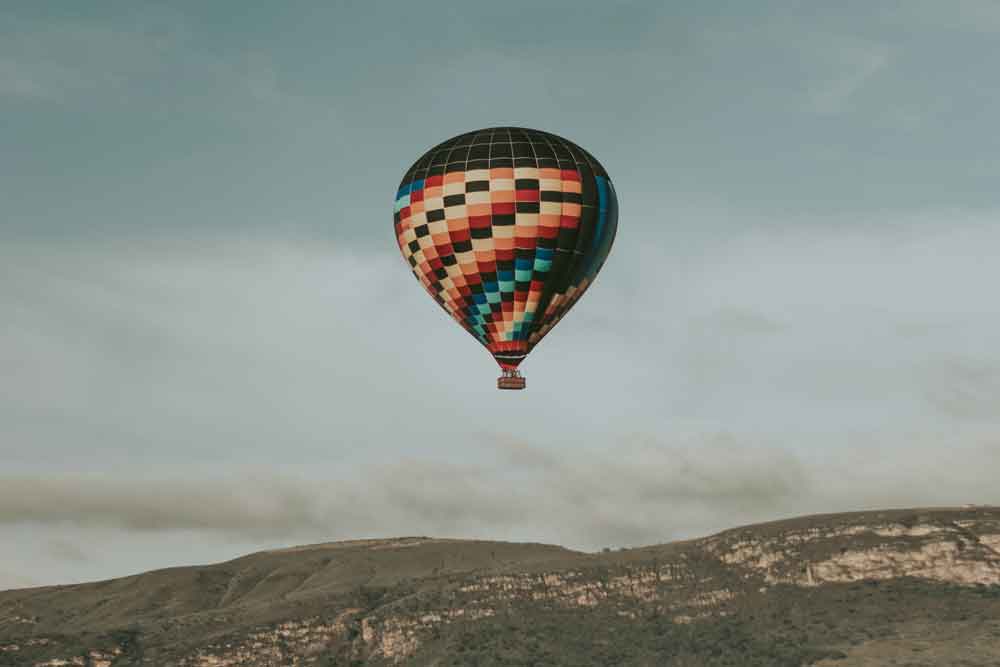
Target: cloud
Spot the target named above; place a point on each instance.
(243, 394)
(964, 388)
(855, 65)
(54, 60)
(179, 354)
(30, 82)
(972, 16)
(259, 349)
(630, 491)
(254, 507)
(64, 550)
(590, 497)
(736, 321)
(148, 59)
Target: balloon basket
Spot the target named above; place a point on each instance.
(511, 379)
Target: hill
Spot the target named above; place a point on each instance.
(914, 587)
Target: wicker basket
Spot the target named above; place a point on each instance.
(513, 380)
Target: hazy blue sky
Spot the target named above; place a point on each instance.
(210, 345)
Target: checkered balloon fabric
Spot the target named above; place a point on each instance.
(506, 228)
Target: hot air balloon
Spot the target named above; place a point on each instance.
(506, 228)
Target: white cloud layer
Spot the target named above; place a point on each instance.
(264, 393)
(627, 492)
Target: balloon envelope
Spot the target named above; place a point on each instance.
(506, 228)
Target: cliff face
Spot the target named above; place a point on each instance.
(803, 591)
(960, 551)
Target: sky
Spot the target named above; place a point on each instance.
(210, 344)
